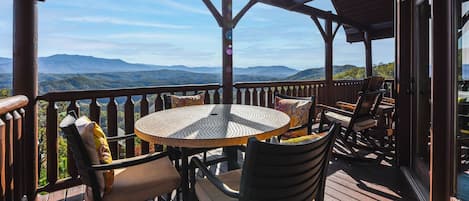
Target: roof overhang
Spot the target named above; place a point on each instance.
(358, 16)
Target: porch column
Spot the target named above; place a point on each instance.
(227, 51)
(25, 82)
(368, 53)
(328, 34)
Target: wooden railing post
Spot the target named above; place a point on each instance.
(25, 82)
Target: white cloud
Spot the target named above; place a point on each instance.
(185, 7)
(117, 21)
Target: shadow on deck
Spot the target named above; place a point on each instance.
(347, 180)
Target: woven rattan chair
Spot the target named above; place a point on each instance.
(271, 172)
(138, 178)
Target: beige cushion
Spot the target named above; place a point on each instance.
(206, 191)
(144, 181)
(345, 121)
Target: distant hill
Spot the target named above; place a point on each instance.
(58, 82)
(67, 64)
(384, 70)
(317, 73)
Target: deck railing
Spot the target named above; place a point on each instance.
(11, 147)
(117, 109)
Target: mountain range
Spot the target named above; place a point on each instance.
(69, 64)
(72, 72)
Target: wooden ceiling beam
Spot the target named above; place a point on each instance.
(311, 11)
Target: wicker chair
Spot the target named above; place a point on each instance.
(138, 178)
(271, 172)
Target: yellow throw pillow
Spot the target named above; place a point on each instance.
(301, 140)
(181, 101)
(96, 145)
(298, 110)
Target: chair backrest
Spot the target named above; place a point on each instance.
(367, 104)
(312, 110)
(372, 83)
(82, 159)
(286, 172)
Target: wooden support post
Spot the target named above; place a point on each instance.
(368, 53)
(25, 82)
(227, 23)
(227, 51)
(328, 35)
(328, 45)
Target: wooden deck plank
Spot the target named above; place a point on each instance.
(42, 197)
(75, 193)
(346, 181)
(57, 195)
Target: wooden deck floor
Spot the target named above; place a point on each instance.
(347, 181)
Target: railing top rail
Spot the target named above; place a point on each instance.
(12, 103)
(276, 83)
(105, 93)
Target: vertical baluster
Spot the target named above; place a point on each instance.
(270, 96)
(52, 143)
(216, 97)
(158, 103)
(288, 91)
(255, 97)
(206, 97)
(247, 97)
(307, 90)
(112, 126)
(184, 93)
(295, 90)
(302, 90)
(282, 90)
(95, 110)
(262, 97)
(238, 96)
(9, 170)
(18, 152)
(71, 167)
(129, 126)
(143, 112)
(158, 107)
(3, 153)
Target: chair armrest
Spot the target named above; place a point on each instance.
(336, 110)
(346, 106)
(130, 161)
(196, 163)
(122, 137)
(298, 128)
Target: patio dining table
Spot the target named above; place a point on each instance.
(210, 126)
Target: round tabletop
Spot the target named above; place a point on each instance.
(211, 125)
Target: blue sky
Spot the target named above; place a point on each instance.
(172, 32)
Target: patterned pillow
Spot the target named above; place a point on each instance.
(181, 101)
(98, 150)
(298, 110)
